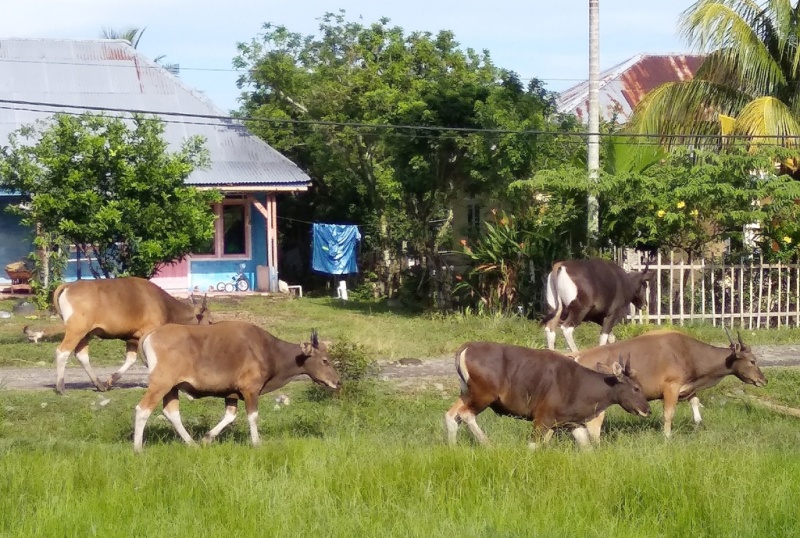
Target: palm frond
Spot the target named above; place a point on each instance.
(768, 116)
(737, 34)
(682, 111)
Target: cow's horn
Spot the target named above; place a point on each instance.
(739, 336)
(730, 338)
(314, 338)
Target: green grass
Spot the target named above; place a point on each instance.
(385, 332)
(379, 467)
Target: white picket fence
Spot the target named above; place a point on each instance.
(749, 294)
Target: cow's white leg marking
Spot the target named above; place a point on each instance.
(175, 418)
(603, 339)
(472, 424)
(451, 423)
(130, 358)
(138, 427)
(594, 427)
(568, 336)
(548, 435)
(61, 365)
(611, 338)
(252, 418)
(227, 418)
(696, 405)
(462, 369)
(64, 306)
(581, 435)
(551, 337)
(150, 358)
(83, 358)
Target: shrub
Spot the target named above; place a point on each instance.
(355, 366)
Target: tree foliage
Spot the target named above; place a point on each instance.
(111, 188)
(393, 181)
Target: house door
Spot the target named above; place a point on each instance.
(173, 278)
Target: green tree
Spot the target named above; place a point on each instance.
(747, 84)
(691, 198)
(112, 190)
(393, 181)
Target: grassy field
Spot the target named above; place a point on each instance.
(388, 333)
(378, 466)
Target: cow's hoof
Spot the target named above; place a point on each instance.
(102, 387)
(60, 389)
(206, 440)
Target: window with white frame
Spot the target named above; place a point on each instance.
(231, 231)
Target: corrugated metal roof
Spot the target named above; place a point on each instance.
(112, 74)
(624, 85)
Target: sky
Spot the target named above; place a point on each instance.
(545, 39)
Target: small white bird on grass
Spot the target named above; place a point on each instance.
(33, 335)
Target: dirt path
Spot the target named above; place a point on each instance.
(442, 367)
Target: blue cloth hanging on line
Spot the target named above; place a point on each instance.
(334, 248)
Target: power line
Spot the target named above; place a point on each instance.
(442, 130)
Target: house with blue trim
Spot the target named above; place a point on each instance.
(39, 77)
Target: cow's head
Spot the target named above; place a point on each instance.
(201, 312)
(742, 362)
(622, 378)
(314, 361)
(639, 282)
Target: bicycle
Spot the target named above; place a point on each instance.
(238, 282)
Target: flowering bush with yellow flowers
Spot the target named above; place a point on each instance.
(690, 199)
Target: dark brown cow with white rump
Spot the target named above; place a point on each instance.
(673, 366)
(593, 290)
(116, 309)
(539, 385)
(232, 360)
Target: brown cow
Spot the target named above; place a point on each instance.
(594, 290)
(673, 366)
(232, 360)
(116, 309)
(539, 385)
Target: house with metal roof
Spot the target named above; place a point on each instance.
(39, 77)
(624, 85)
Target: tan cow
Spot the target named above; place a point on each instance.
(673, 366)
(117, 309)
(232, 360)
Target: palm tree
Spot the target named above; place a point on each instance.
(133, 35)
(748, 85)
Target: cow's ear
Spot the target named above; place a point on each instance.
(603, 369)
(307, 349)
(617, 370)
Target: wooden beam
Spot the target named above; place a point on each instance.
(260, 208)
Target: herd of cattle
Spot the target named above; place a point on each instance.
(184, 351)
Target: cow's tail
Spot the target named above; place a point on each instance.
(56, 295)
(461, 366)
(554, 305)
(140, 348)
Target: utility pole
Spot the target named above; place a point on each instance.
(593, 157)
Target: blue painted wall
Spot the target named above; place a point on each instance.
(207, 273)
(15, 239)
(15, 244)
